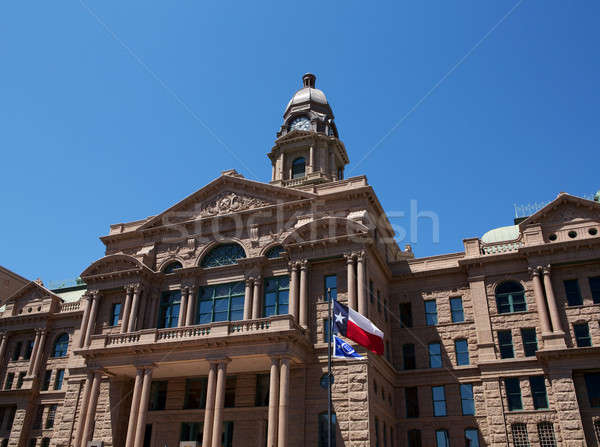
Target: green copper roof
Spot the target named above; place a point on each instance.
(509, 233)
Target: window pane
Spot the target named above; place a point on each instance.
(513, 393)
(466, 396)
(441, 438)
(430, 313)
(435, 357)
(595, 288)
(462, 352)
(529, 341)
(471, 437)
(406, 315)
(414, 438)
(538, 392)
(408, 354)
(439, 401)
(411, 397)
(573, 294)
(506, 346)
(582, 335)
(592, 383)
(456, 308)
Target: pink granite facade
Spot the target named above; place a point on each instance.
(205, 323)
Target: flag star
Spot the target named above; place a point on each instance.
(339, 318)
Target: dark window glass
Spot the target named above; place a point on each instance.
(147, 436)
(435, 355)
(324, 429)
(51, 416)
(439, 400)
(37, 422)
(411, 396)
(510, 297)
(262, 390)
(592, 383)
(28, 349)
(330, 283)
(115, 313)
(276, 295)
(230, 385)
(505, 344)
(195, 393)
(385, 310)
(173, 266)
(408, 356)
(10, 378)
(221, 302)
(227, 434)
(377, 432)
(456, 309)
(32, 442)
(274, 252)
(471, 437)
(10, 418)
(546, 434)
(168, 313)
(191, 431)
(466, 399)
(406, 315)
(298, 167)
(595, 288)
(46, 382)
(538, 392)
(17, 352)
(20, 378)
(441, 438)
(225, 254)
(378, 301)
(385, 435)
(582, 335)
(58, 380)
(573, 293)
(462, 352)
(414, 438)
(371, 292)
(158, 395)
(4, 442)
(430, 313)
(519, 434)
(530, 345)
(513, 393)
(45, 442)
(61, 344)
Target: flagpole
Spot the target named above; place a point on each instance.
(330, 322)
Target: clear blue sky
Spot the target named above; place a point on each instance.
(103, 108)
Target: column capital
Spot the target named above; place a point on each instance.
(546, 269)
(94, 294)
(350, 257)
(249, 280)
(534, 270)
(293, 265)
(303, 264)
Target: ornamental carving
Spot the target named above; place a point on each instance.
(230, 202)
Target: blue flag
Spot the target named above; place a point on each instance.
(343, 350)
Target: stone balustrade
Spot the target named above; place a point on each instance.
(70, 307)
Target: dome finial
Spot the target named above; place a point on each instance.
(308, 80)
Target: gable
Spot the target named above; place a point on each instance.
(33, 297)
(564, 211)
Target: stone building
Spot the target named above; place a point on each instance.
(207, 322)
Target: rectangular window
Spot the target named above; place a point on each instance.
(414, 438)
(439, 400)
(505, 344)
(573, 293)
(147, 436)
(28, 349)
(158, 395)
(435, 355)
(168, 314)
(466, 399)
(37, 422)
(230, 385)
(20, 378)
(324, 429)
(441, 438)
(191, 431)
(330, 285)
(530, 345)
(472, 437)
(582, 335)
(408, 356)
(513, 393)
(377, 432)
(520, 435)
(58, 380)
(195, 393)
(224, 302)
(406, 315)
(431, 313)
(46, 382)
(411, 397)
(115, 314)
(461, 347)
(456, 309)
(595, 288)
(51, 416)
(538, 392)
(262, 390)
(10, 378)
(378, 301)
(592, 383)
(10, 418)
(32, 442)
(17, 352)
(371, 292)
(45, 442)
(276, 296)
(546, 434)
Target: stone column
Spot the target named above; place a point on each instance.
(293, 304)
(182, 307)
(154, 303)
(133, 317)
(3, 344)
(140, 428)
(361, 285)
(282, 166)
(554, 314)
(135, 406)
(248, 299)
(256, 299)
(304, 294)
(219, 404)
(39, 352)
(92, 320)
(273, 403)
(191, 306)
(332, 168)
(83, 409)
(540, 301)
(284, 395)
(126, 309)
(311, 159)
(36, 345)
(352, 302)
(88, 430)
(209, 411)
(84, 320)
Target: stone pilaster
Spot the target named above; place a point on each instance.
(303, 311)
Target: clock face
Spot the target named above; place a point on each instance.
(300, 123)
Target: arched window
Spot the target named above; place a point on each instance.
(274, 252)
(510, 297)
(298, 167)
(172, 266)
(225, 254)
(61, 345)
(324, 429)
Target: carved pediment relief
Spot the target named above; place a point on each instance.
(112, 264)
(329, 228)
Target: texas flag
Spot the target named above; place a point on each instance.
(360, 329)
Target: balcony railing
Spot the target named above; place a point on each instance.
(278, 323)
(70, 307)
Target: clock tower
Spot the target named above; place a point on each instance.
(307, 149)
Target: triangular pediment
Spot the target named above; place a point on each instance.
(30, 293)
(564, 210)
(227, 194)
